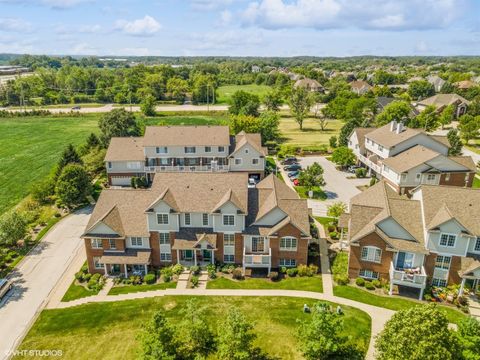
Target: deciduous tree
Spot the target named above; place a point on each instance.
(13, 227)
(420, 89)
(300, 102)
(244, 103)
(312, 176)
(73, 186)
(395, 111)
(469, 127)
(158, 339)
(117, 123)
(343, 156)
(273, 100)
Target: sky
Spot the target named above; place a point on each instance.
(240, 27)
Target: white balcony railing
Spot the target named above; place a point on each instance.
(257, 260)
(187, 168)
(370, 163)
(404, 277)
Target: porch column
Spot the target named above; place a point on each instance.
(211, 257)
(146, 269)
(390, 292)
(195, 257)
(105, 269)
(178, 256)
(421, 294)
(460, 292)
(126, 271)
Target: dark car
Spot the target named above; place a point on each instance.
(293, 173)
(5, 286)
(293, 167)
(76, 108)
(353, 168)
(290, 161)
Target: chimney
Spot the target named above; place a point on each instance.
(399, 128)
(393, 126)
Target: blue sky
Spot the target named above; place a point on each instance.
(241, 27)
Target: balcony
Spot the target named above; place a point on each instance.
(369, 163)
(187, 168)
(257, 260)
(408, 277)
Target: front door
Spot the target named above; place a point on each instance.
(207, 255)
(258, 244)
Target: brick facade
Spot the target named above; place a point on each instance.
(455, 266)
(300, 256)
(457, 179)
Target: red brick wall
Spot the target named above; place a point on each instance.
(238, 249)
(93, 252)
(457, 179)
(455, 265)
(301, 255)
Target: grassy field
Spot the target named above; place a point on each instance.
(311, 135)
(109, 330)
(476, 183)
(126, 289)
(296, 283)
(75, 292)
(225, 92)
(389, 302)
(318, 193)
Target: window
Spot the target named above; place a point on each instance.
(228, 258)
(164, 238)
(380, 147)
(205, 219)
(163, 161)
(112, 244)
(258, 244)
(96, 262)
(246, 151)
(134, 165)
(255, 161)
(288, 262)
(96, 243)
(404, 177)
(448, 240)
(288, 243)
(371, 253)
(208, 149)
(368, 274)
(190, 150)
(221, 149)
(477, 245)
(439, 282)
(443, 262)
(238, 161)
(187, 218)
(109, 164)
(161, 150)
(447, 177)
(165, 256)
(162, 219)
(136, 241)
(417, 177)
(228, 239)
(228, 220)
(431, 177)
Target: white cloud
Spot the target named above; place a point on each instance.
(226, 40)
(147, 26)
(56, 4)
(14, 25)
(225, 17)
(364, 14)
(208, 5)
(83, 49)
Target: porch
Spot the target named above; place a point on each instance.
(130, 262)
(186, 164)
(411, 277)
(257, 260)
(195, 249)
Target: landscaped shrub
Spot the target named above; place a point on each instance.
(95, 282)
(377, 283)
(228, 269)
(194, 281)
(333, 235)
(360, 281)
(167, 274)
(136, 280)
(373, 181)
(149, 278)
(237, 274)
(195, 269)
(340, 268)
(292, 272)
(283, 270)
(369, 285)
(304, 270)
(79, 276)
(177, 269)
(360, 172)
(87, 276)
(313, 269)
(274, 276)
(84, 269)
(212, 274)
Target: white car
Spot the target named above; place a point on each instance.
(5, 286)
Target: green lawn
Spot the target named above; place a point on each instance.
(295, 283)
(311, 135)
(125, 289)
(476, 183)
(318, 193)
(109, 330)
(75, 292)
(225, 92)
(390, 302)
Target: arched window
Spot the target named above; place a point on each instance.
(371, 253)
(288, 243)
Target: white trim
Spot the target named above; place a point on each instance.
(163, 223)
(448, 238)
(189, 216)
(223, 219)
(288, 248)
(369, 256)
(96, 241)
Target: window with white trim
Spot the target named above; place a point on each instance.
(403, 177)
(136, 241)
(205, 219)
(112, 244)
(190, 150)
(447, 177)
(255, 161)
(164, 238)
(288, 243)
(165, 256)
(443, 262)
(258, 244)
(380, 147)
(431, 177)
(187, 219)
(228, 258)
(134, 165)
(368, 274)
(109, 164)
(288, 262)
(161, 150)
(208, 149)
(228, 240)
(221, 149)
(371, 254)
(477, 245)
(448, 240)
(162, 219)
(238, 161)
(439, 282)
(96, 262)
(96, 243)
(418, 176)
(229, 220)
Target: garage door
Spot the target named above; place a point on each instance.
(121, 181)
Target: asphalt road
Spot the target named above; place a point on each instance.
(36, 276)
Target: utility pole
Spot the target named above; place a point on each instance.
(208, 107)
(130, 97)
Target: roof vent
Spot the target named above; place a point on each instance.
(399, 128)
(393, 126)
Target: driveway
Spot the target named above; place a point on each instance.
(36, 276)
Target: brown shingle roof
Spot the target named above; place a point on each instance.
(125, 148)
(129, 257)
(410, 158)
(360, 84)
(441, 100)
(254, 140)
(186, 136)
(466, 161)
(384, 136)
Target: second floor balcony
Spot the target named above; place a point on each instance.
(186, 168)
(369, 163)
(257, 260)
(415, 277)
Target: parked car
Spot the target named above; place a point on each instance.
(5, 286)
(351, 169)
(76, 108)
(290, 161)
(296, 182)
(293, 167)
(293, 173)
(252, 182)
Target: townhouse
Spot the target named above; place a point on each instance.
(441, 101)
(406, 158)
(184, 149)
(197, 218)
(432, 238)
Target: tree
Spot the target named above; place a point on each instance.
(273, 100)
(117, 123)
(455, 143)
(177, 88)
(336, 209)
(419, 333)
(269, 123)
(343, 156)
(244, 103)
(235, 338)
(92, 141)
(346, 131)
(247, 123)
(300, 102)
(158, 339)
(147, 106)
(469, 127)
(312, 176)
(420, 89)
(427, 119)
(94, 161)
(320, 336)
(333, 141)
(69, 156)
(13, 227)
(395, 111)
(73, 186)
(468, 334)
(446, 116)
(43, 190)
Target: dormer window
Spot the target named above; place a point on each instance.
(448, 240)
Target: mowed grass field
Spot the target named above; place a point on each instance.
(225, 92)
(311, 135)
(109, 330)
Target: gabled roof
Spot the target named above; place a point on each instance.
(125, 149)
(410, 158)
(228, 197)
(360, 84)
(441, 100)
(254, 140)
(186, 136)
(112, 219)
(167, 197)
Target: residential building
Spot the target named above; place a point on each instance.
(360, 87)
(383, 101)
(195, 219)
(406, 158)
(309, 84)
(184, 149)
(441, 101)
(436, 81)
(465, 84)
(432, 238)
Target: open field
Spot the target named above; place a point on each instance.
(311, 135)
(93, 331)
(225, 92)
(313, 283)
